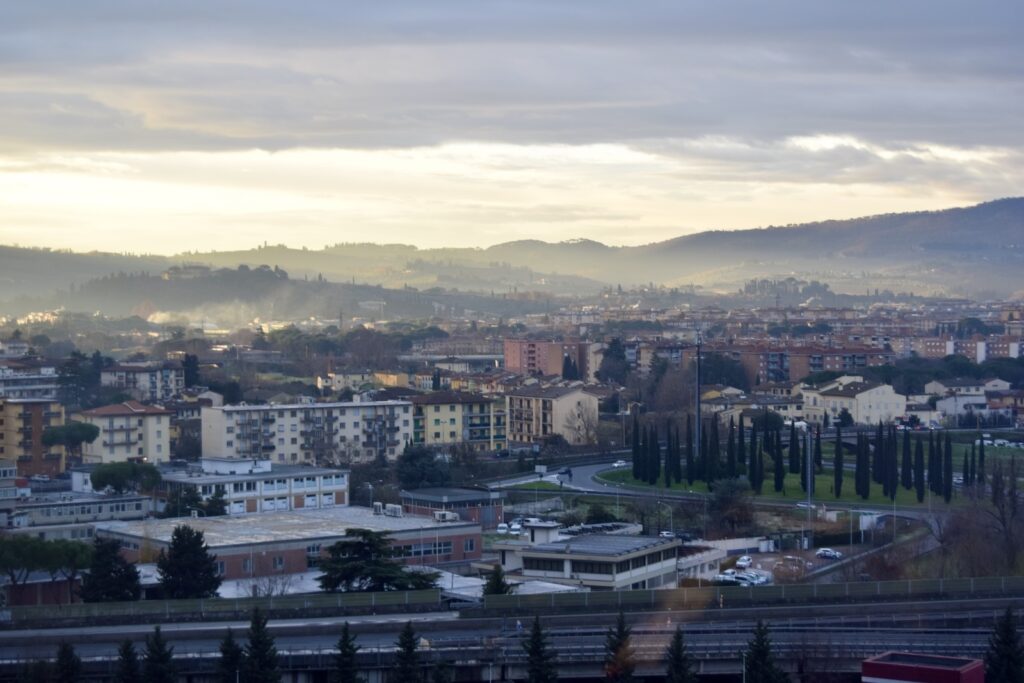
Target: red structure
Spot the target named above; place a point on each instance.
(906, 667)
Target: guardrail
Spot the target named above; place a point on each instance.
(697, 598)
(198, 610)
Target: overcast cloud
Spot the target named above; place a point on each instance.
(469, 123)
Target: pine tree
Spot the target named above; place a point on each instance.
(741, 446)
(496, 583)
(907, 467)
(110, 578)
(232, 659)
(837, 464)
(407, 661)
(1004, 660)
(128, 669)
(759, 664)
(794, 449)
(730, 451)
(678, 664)
(981, 461)
(541, 666)
(68, 667)
(691, 465)
(919, 483)
(345, 670)
(158, 660)
(947, 470)
(187, 569)
(261, 664)
(619, 658)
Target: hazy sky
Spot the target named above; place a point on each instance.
(134, 125)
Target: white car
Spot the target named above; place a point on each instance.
(829, 554)
(619, 463)
(744, 562)
(503, 528)
(666, 534)
(515, 528)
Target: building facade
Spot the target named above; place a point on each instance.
(25, 378)
(447, 418)
(129, 432)
(535, 414)
(146, 381)
(22, 423)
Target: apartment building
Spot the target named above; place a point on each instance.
(961, 386)
(256, 485)
(26, 378)
(145, 381)
(867, 402)
(536, 413)
(446, 418)
(129, 431)
(355, 431)
(22, 423)
(546, 357)
(353, 380)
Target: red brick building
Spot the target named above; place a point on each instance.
(906, 667)
(486, 508)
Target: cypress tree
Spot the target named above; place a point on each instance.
(837, 464)
(741, 446)
(691, 466)
(261, 664)
(636, 447)
(865, 484)
(730, 451)
(654, 464)
(68, 667)
(934, 467)
(619, 658)
(714, 451)
(345, 670)
(753, 440)
(919, 469)
(893, 469)
(805, 476)
(967, 468)
(780, 472)
(702, 466)
(232, 659)
(158, 660)
(677, 459)
(540, 659)
(669, 456)
(678, 664)
(877, 469)
(407, 660)
(794, 449)
(1004, 660)
(974, 467)
(981, 460)
(756, 472)
(128, 670)
(907, 468)
(947, 470)
(641, 457)
(818, 464)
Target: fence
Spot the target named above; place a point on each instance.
(695, 598)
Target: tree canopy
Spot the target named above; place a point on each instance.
(365, 562)
(187, 569)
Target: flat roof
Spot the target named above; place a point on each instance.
(603, 544)
(451, 495)
(183, 476)
(927, 661)
(307, 406)
(277, 527)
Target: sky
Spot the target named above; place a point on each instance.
(161, 127)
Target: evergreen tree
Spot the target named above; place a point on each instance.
(892, 470)
(981, 461)
(907, 467)
(345, 670)
(407, 662)
(865, 471)
(794, 449)
(919, 482)
(677, 458)
(780, 471)
(947, 470)
(691, 466)
(110, 578)
(714, 452)
(974, 467)
(1004, 660)
(741, 446)
(678, 664)
(818, 464)
(540, 659)
(670, 454)
(68, 667)
(158, 660)
(753, 440)
(636, 447)
(619, 658)
(730, 451)
(877, 464)
(755, 472)
(654, 466)
(188, 570)
(777, 448)
(260, 653)
(232, 659)
(702, 460)
(837, 464)
(128, 669)
(496, 583)
(934, 467)
(759, 664)
(967, 468)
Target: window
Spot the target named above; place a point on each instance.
(220, 568)
(589, 567)
(541, 564)
(247, 565)
(469, 545)
(278, 563)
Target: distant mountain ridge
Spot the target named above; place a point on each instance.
(965, 250)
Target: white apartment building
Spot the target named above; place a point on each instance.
(146, 381)
(128, 431)
(868, 403)
(27, 379)
(257, 485)
(356, 431)
(536, 413)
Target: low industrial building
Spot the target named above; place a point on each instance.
(279, 543)
(486, 508)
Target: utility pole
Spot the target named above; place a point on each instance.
(696, 434)
(810, 488)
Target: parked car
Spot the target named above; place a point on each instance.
(744, 562)
(515, 528)
(503, 528)
(619, 463)
(666, 534)
(828, 554)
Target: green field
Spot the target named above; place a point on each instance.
(792, 491)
